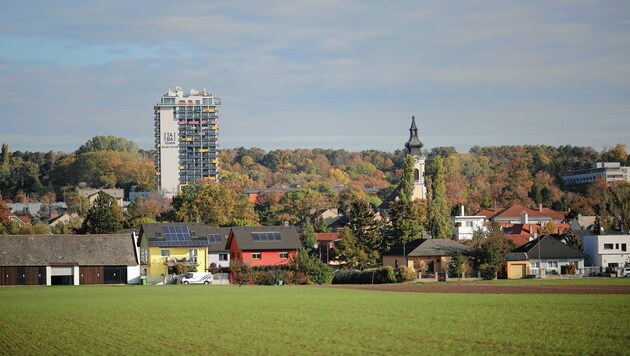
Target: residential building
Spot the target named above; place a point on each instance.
(430, 255)
(166, 249)
(263, 245)
(218, 254)
(325, 243)
(91, 194)
(465, 226)
(186, 139)
(607, 250)
(543, 256)
(611, 171)
(519, 214)
(68, 259)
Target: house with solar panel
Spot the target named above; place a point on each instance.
(263, 245)
(168, 249)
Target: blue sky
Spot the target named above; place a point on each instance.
(330, 74)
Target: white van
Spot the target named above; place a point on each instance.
(196, 278)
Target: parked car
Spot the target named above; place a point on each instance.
(625, 272)
(196, 278)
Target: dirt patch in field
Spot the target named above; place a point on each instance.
(489, 288)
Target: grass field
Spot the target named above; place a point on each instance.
(304, 320)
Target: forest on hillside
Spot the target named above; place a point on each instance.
(481, 178)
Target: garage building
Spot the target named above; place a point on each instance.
(68, 259)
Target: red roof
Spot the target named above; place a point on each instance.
(515, 211)
(324, 237)
(519, 240)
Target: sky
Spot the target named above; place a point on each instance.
(328, 74)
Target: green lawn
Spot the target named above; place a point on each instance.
(585, 281)
(304, 320)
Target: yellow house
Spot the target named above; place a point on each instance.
(169, 249)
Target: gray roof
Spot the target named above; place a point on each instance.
(114, 193)
(199, 235)
(82, 250)
(428, 247)
(549, 248)
(289, 239)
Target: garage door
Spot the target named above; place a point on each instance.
(517, 271)
(91, 275)
(22, 275)
(62, 275)
(115, 274)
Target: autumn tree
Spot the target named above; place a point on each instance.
(489, 248)
(108, 143)
(104, 217)
(214, 205)
(617, 202)
(439, 219)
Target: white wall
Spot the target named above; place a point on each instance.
(169, 152)
(598, 256)
(133, 274)
(214, 258)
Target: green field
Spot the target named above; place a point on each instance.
(304, 320)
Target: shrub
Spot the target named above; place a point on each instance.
(405, 274)
(372, 276)
(488, 271)
(568, 269)
(312, 269)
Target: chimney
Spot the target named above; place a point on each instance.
(286, 224)
(540, 207)
(462, 211)
(524, 218)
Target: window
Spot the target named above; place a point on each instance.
(623, 247)
(552, 264)
(535, 264)
(256, 255)
(165, 253)
(192, 254)
(144, 255)
(608, 246)
(616, 246)
(283, 255)
(223, 257)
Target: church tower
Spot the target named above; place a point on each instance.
(414, 149)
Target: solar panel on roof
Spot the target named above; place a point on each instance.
(266, 236)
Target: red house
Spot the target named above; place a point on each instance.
(263, 245)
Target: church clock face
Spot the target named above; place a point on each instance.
(417, 159)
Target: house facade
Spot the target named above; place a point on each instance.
(465, 226)
(426, 255)
(543, 256)
(92, 194)
(218, 254)
(607, 250)
(164, 249)
(263, 245)
(68, 259)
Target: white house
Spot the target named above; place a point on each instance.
(464, 226)
(610, 250)
(218, 254)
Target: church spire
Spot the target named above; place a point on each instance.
(414, 145)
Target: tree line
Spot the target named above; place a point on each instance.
(484, 177)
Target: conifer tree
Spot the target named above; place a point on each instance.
(439, 218)
(405, 216)
(5, 156)
(104, 217)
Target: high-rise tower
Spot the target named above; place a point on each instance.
(186, 130)
(414, 149)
